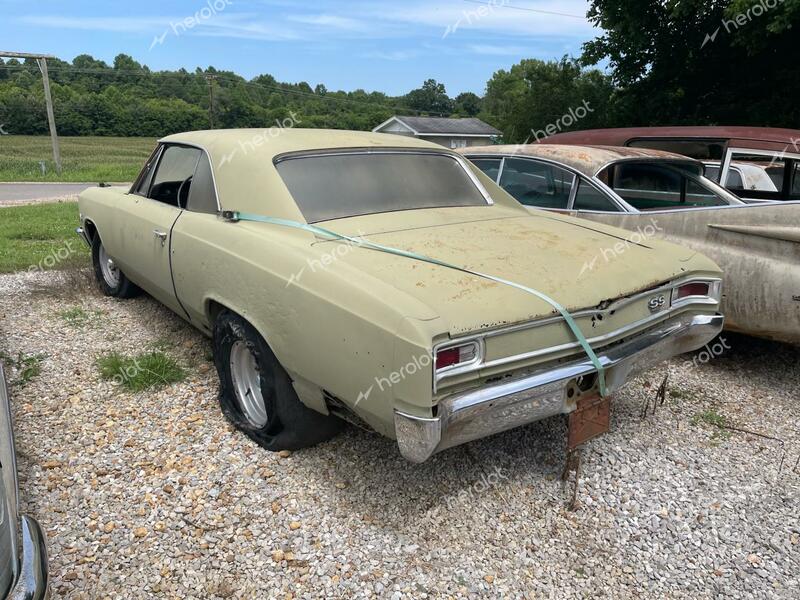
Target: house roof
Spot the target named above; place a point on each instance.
(444, 126)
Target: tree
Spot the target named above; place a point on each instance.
(534, 95)
(700, 61)
(430, 98)
(468, 104)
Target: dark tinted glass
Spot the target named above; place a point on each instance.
(658, 187)
(490, 166)
(202, 196)
(346, 185)
(535, 183)
(699, 149)
(589, 197)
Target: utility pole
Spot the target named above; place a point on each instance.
(41, 60)
(210, 78)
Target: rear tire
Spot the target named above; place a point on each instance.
(112, 280)
(256, 392)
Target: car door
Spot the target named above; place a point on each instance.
(148, 216)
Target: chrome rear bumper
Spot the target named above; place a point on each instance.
(479, 413)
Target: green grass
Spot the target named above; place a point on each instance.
(83, 159)
(140, 372)
(78, 317)
(28, 366)
(41, 237)
(714, 419)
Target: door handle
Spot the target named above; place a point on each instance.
(161, 235)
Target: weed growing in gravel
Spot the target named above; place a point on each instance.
(28, 366)
(140, 372)
(78, 317)
(713, 418)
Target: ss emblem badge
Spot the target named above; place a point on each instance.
(656, 303)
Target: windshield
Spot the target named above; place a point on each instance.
(336, 186)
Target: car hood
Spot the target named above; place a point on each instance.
(576, 263)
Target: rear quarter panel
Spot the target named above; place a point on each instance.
(332, 328)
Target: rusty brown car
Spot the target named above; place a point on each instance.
(776, 152)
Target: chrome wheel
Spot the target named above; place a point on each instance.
(247, 385)
(108, 268)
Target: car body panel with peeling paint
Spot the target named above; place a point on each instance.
(423, 353)
(661, 195)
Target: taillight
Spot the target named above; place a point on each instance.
(695, 288)
(456, 355)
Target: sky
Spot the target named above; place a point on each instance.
(388, 46)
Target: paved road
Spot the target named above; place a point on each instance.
(11, 193)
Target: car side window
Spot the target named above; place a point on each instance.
(142, 183)
(173, 178)
(490, 166)
(536, 183)
(202, 194)
(655, 187)
(796, 180)
(589, 197)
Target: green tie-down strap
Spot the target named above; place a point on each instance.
(239, 216)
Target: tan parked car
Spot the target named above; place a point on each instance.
(437, 320)
(661, 195)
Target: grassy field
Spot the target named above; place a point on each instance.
(90, 159)
(41, 237)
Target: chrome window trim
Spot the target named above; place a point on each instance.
(461, 160)
(728, 159)
(155, 157)
(613, 307)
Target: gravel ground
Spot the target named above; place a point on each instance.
(153, 494)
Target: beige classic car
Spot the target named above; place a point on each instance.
(657, 194)
(388, 282)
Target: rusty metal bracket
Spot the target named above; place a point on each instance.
(591, 418)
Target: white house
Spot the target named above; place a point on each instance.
(452, 133)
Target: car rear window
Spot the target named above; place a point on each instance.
(336, 186)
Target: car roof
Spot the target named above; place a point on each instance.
(621, 136)
(589, 160)
(270, 142)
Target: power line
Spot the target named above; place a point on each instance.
(502, 4)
